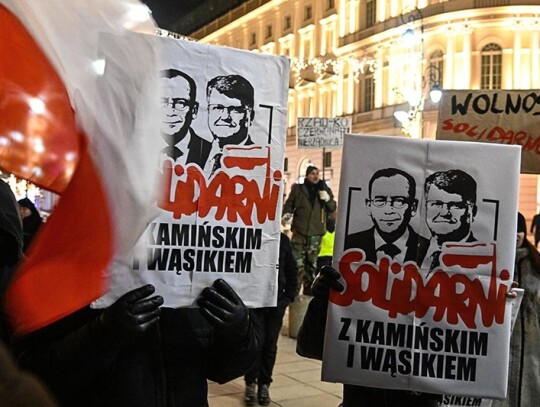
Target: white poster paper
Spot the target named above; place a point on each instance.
(425, 244)
(220, 168)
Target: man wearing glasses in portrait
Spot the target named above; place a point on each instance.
(179, 107)
(230, 114)
(450, 211)
(391, 204)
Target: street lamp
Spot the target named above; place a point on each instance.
(411, 120)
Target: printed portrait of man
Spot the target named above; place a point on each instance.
(450, 211)
(230, 114)
(179, 107)
(391, 204)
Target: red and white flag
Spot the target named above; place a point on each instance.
(78, 91)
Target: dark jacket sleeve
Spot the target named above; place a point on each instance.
(290, 205)
(310, 339)
(288, 264)
(231, 360)
(67, 355)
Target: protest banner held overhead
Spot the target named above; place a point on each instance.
(426, 261)
(321, 132)
(220, 167)
(494, 116)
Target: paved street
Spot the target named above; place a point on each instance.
(297, 382)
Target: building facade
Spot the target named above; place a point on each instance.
(375, 61)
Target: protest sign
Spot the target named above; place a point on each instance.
(425, 245)
(220, 168)
(454, 401)
(494, 116)
(321, 132)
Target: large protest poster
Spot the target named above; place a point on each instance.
(220, 169)
(425, 245)
(494, 116)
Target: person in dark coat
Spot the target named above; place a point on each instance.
(268, 322)
(17, 388)
(31, 219)
(135, 353)
(308, 204)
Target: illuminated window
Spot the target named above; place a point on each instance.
(371, 7)
(435, 75)
(491, 67)
(369, 92)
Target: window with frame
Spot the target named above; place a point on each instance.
(369, 92)
(253, 39)
(308, 12)
(286, 165)
(491, 67)
(435, 75)
(287, 24)
(328, 159)
(269, 31)
(371, 9)
(330, 4)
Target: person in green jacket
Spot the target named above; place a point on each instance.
(308, 204)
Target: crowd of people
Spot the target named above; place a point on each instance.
(137, 352)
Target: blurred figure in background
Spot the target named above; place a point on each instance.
(31, 219)
(17, 388)
(524, 365)
(268, 323)
(307, 205)
(327, 243)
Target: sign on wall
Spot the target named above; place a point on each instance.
(321, 132)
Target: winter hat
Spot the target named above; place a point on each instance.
(309, 169)
(521, 224)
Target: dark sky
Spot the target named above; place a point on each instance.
(166, 12)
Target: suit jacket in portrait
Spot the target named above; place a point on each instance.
(198, 150)
(365, 240)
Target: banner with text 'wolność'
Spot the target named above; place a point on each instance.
(220, 167)
(494, 116)
(425, 246)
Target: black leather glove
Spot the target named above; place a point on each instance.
(327, 278)
(131, 314)
(225, 311)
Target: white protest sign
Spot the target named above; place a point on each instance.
(321, 132)
(220, 169)
(425, 255)
(494, 116)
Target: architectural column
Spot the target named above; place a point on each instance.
(350, 90)
(516, 69)
(340, 92)
(381, 11)
(535, 78)
(467, 55)
(449, 65)
(394, 8)
(378, 77)
(392, 81)
(342, 12)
